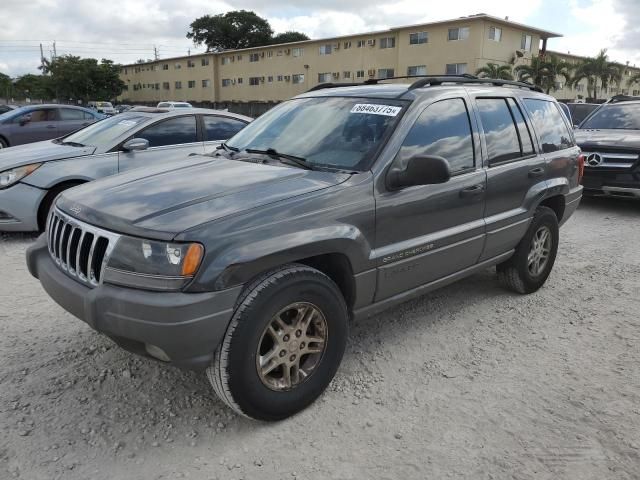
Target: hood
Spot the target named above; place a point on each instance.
(161, 202)
(622, 139)
(39, 152)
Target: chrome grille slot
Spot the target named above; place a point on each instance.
(79, 249)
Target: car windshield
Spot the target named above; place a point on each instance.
(181, 105)
(335, 132)
(104, 132)
(104, 104)
(615, 117)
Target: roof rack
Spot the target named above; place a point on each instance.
(434, 80)
(622, 98)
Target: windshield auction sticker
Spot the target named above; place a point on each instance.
(373, 109)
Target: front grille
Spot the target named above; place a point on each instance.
(611, 159)
(79, 249)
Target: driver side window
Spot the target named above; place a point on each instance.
(174, 131)
(443, 129)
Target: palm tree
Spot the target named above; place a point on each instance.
(598, 70)
(534, 72)
(493, 70)
(554, 67)
(633, 79)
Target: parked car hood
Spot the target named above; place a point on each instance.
(608, 138)
(160, 202)
(39, 152)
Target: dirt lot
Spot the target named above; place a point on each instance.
(468, 382)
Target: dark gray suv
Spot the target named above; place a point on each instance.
(339, 203)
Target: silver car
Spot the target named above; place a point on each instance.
(31, 176)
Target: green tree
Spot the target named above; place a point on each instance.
(6, 85)
(33, 86)
(554, 67)
(493, 70)
(598, 71)
(287, 37)
(534, 72)
(231, 30)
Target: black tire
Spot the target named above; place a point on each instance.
(3, 143)
(47, 202)
(234, 371)
(515, 274)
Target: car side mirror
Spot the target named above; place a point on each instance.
(136, 144)
(26, 118)
(419, 170)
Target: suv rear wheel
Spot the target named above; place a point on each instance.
(284, 344)
(530, 266)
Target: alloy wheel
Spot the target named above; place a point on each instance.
(539, 251)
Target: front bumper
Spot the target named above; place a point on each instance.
(187, 327)
(612, 182)
(19, 208)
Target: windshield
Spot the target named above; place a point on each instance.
(105, 132)
(104, 104)
(181, 105)
(615, 117)
(338, 132)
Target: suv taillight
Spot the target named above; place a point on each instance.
(581, 159)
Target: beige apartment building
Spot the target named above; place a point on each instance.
(278, 72)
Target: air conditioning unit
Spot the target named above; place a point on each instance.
(372, 72)
(287, 51)
(233, 82)
(371, 42)
(287, 78)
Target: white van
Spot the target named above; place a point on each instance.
(102, 107)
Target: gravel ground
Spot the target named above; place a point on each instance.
(467, 382)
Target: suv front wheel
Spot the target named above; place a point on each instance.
(284, 344)
(528, 268)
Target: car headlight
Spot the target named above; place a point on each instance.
(153, 265)
(9, 177)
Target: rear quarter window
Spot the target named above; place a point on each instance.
(549, 124)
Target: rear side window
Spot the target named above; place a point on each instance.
(221, 128)
(523, 129)
(443, 130)
(549, 124)
(71, 114)
(171, 132)
(499, 130)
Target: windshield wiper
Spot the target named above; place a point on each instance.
(72, 144)
(291, 159)
(224, 146)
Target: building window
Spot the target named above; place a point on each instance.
(580, 88)
(204, 62)
(157, 86)
(326, 49)
(239, 58)
(226, 60)
(226, 82)
(177, 66)
(240, 81)
(297, 52)
(191, 64)
(270, 79)
(280, 78)
(254, 57)
(178, 85)
(346, 74)
(206, 83)
(297, 78)
(324, 77)
(191, 84)
(525, 43)
(253, 81)
(165, 85)
(388, 42)
(495, 34)
(279, 54)
(165, 66)
(347, 44)
(417, 70)
(418, 38)
(360, 74)
(385, 72)
(461, 33)
(456, 68)
(335, 75)
(361, 43)
(270, 53)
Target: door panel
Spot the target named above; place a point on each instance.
(43, 126)
(154, 156)
(427, 232)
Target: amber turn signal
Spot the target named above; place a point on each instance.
(192, 259)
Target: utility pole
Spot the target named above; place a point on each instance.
(55, 54)
(41, 57)
(189, 52)
(155, 52)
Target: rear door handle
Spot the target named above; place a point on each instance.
(536, 172)
(472, 191)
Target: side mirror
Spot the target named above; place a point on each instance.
(427, 170)
(26, 118)
(136, 144)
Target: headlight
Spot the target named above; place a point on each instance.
(9, 177)
(153, 265)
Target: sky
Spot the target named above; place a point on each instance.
(127, 30)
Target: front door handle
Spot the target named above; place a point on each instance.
(472, 191)
(536, 172)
